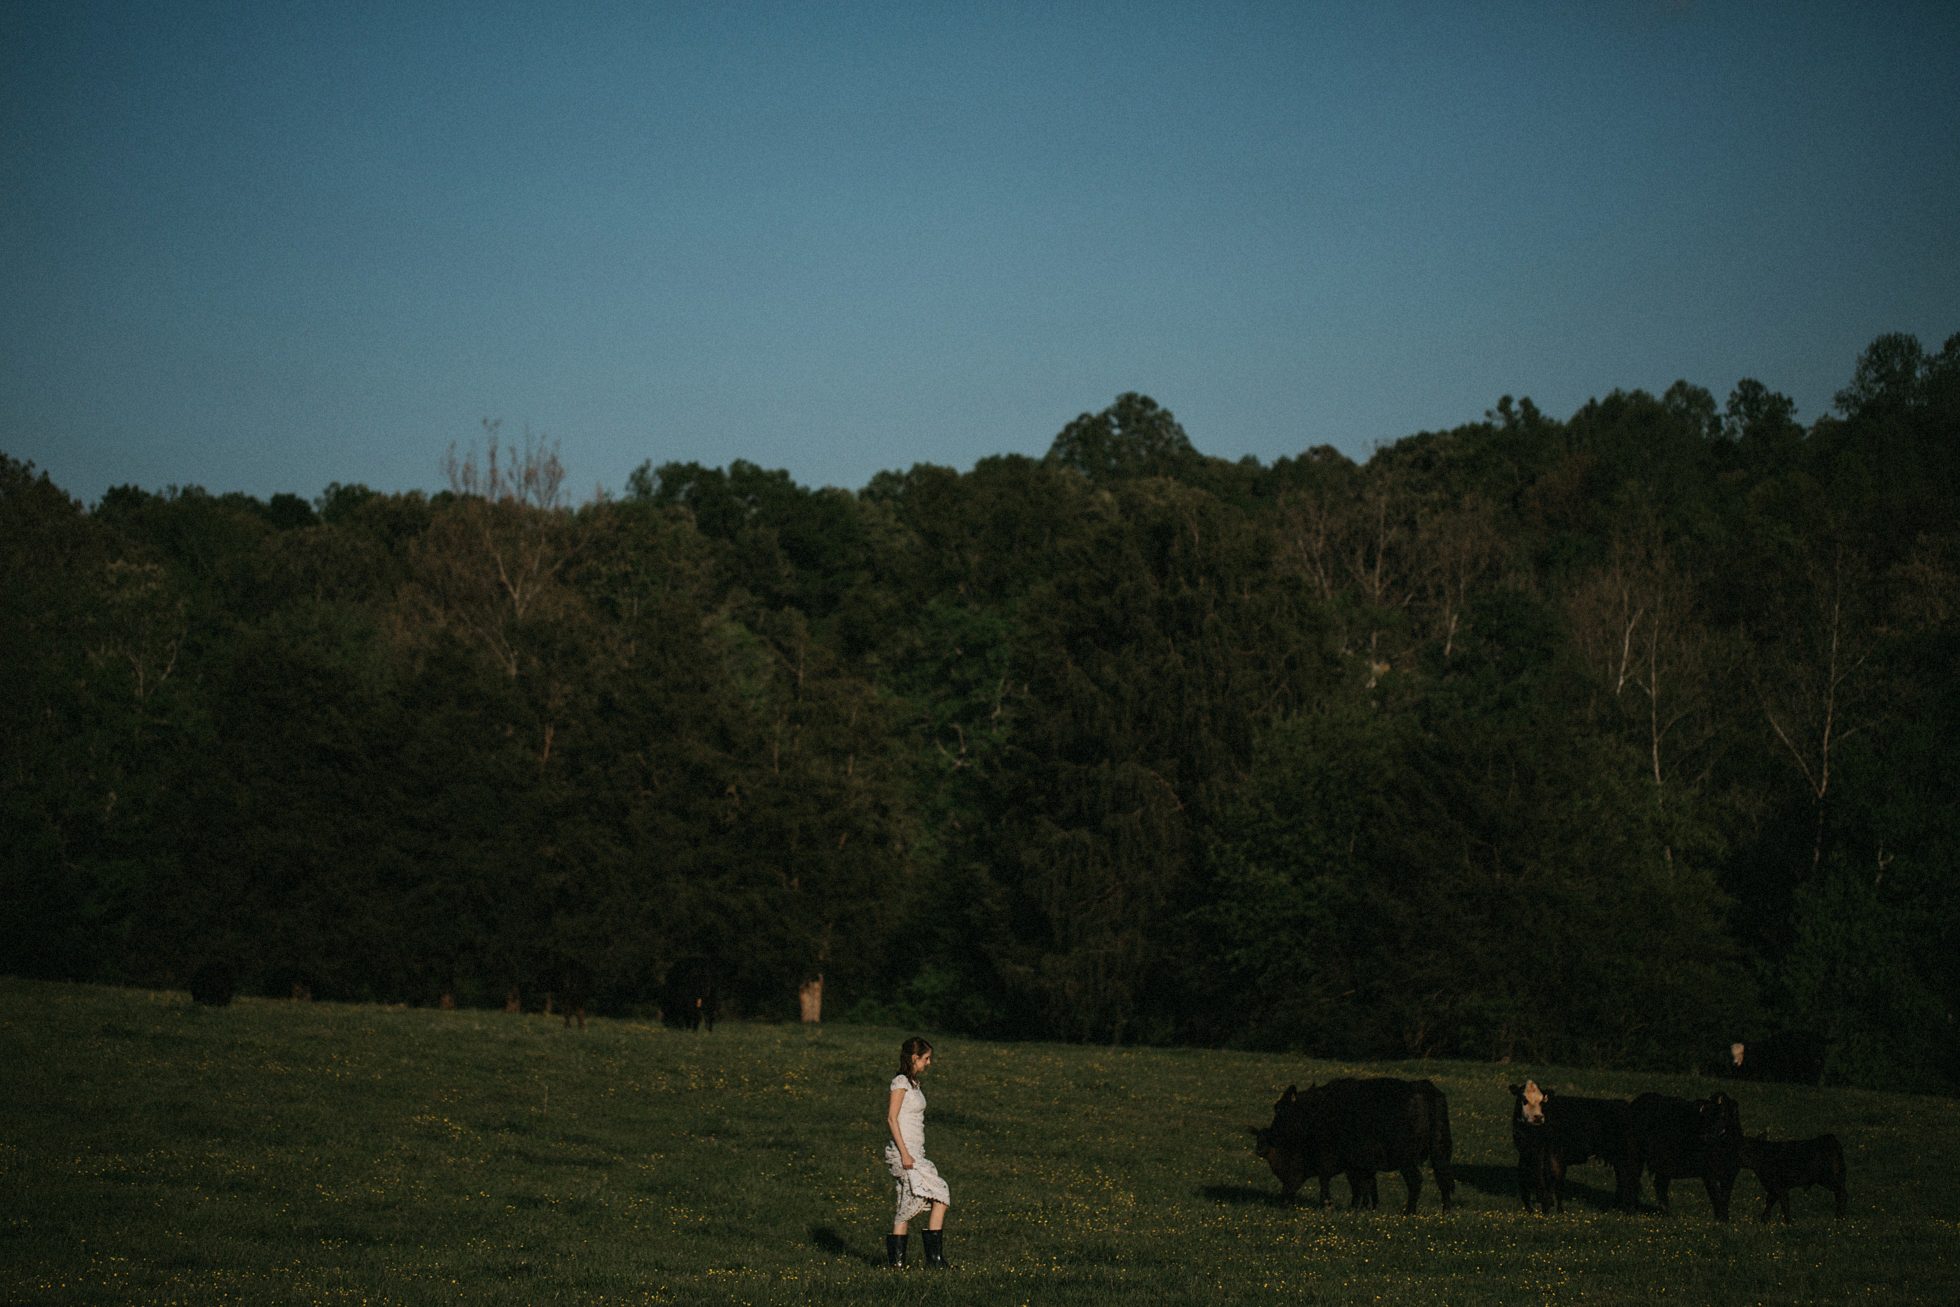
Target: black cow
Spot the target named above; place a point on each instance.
(1793, 1056)
(691, 996)
(1361, 1127)
(1681, 1139)
(1293, 1165)
(1794, 1164)
(1555, 1132)
(1292, 1168)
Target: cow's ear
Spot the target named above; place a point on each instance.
(1516, 1090)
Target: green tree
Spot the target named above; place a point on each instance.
(61, 758)
(1140, 671)
(1762, 425)
(1413, 873)
(1133, 437)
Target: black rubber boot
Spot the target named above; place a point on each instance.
(935, 1243)
(895, 1249)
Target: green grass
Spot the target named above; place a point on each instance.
(274, 1152)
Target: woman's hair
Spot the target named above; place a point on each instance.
(910, 1049)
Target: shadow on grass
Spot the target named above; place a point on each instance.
(1502, 1182)
(829, 1241)
(1599, 1200)
(1499, 1180)
(1244, 1195)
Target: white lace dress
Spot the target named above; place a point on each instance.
(921, 1186)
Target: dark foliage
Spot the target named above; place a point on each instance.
(212, 985)
(1596, 740)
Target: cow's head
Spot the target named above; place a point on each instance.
(1720, 1120)
(1531, 1102)
(1264, 1141)
(1285, 1112)
(1278, 1142)
(1735, 1054)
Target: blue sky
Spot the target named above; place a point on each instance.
(267, 246)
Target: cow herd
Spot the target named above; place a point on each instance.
(1358, 1128)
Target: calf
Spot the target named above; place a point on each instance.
(1794, 1164)
(1682, 1139)
(1361, 1127)
(1554, 1132)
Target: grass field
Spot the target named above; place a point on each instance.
(274, 1152)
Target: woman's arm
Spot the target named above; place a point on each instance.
(891, 1124)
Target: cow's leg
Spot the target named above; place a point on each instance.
(1445, 1183)
(1660, 1192)
(1718, 1196)
(1412, 1177)
(1361, 1189)
(1527, 1181)
(1326, 1179)
(1626, 1187)
(1838, 1189)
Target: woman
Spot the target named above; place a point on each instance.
(920, 1188)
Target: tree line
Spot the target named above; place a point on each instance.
(1600, 740)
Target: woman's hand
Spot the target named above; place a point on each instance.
(905, 1160)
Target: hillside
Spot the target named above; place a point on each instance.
(274, 1152)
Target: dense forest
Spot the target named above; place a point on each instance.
(1600, 740)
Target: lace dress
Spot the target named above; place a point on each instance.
(921, 1186)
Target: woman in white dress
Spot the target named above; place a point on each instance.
(920, 1188)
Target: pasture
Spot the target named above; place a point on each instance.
(278, 1152)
